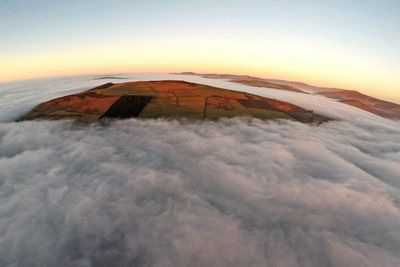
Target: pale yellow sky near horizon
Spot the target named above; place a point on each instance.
(215, 58)
(345, 44)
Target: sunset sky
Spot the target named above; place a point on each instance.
(343, 43)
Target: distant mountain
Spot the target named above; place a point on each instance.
(263, 82)
(167, 99)
(354, 98)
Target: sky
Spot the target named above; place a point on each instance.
(344, 43)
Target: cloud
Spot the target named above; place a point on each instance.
(165, 193)
(229, 193)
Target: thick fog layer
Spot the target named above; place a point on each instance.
(167, 193)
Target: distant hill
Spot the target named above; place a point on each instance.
(267, 83)
(354, 98)
(350, 97)
(167, 99)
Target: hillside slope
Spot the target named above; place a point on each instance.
(167, 99)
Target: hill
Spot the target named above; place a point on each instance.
(247, 80)
(167, 99)
(292, 86)
(374, 105)
(350, 97)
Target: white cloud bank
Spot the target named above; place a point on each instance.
(233, 193)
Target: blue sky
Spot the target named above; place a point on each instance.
(366, 30)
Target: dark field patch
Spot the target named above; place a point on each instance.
(127, 107)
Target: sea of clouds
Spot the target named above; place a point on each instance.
(168, 193)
